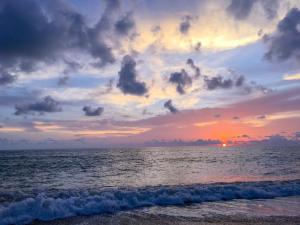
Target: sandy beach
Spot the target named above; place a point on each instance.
(146, 219)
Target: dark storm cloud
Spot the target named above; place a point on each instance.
(181, 80)
(46, 105)
(169, 105)
(88, 111)
(127, 78)
(241, 9)
(6, 78)
(285, 42)
(63, 81)
(196, 69)
(43, 31)
(185, 24)
(125, 24)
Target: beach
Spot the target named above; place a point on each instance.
(134, 219)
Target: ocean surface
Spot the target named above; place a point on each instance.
(178, 181)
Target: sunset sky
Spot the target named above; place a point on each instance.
(136, 72)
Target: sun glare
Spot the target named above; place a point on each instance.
(224, 145)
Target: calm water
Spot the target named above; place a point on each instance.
(61, 183)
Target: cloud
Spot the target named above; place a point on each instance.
(127, 78)
(284, 43)
(297, 134)
(181, 80)
(217, 115)
(63, 80)
(240, 9)
(199, 142)
(198, 46)
(185, 24)
(125, 24)
(191, 63)
(218, 82)
(46, 105)
(92, 112)
(6, 78)
(276, 140)
(270, 7)
(235, 118)
(45, 31)
(169, 105)
(261, 117)
(156, 30)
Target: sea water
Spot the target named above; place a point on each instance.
(51, 184)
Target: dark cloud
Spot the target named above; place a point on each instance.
(181, 80)
(198, 46)
(261, 117)
(46, 105)
(45, 31)
(240, 81)
(191, 63)
(260, 32)
(185, 24)
(253, 86)
(285, 42)
(217, 115)
(6, 78)
(235, 118)
(18, 96)
(127, 78)
(218, 82)
(88, 111)
(199, 142)
(72, 66)
(63, 80)
(240, 9)
(155, 29)
(297, 134)
(245, 136)
(169, 105)
(270, 7)
(276, 140)
(125, 24)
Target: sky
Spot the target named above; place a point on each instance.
(100, 73)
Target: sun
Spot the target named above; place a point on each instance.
(224, 145)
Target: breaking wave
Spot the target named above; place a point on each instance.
(45, 206)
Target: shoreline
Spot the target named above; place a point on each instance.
(150, 219)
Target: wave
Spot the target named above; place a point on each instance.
(66, 204)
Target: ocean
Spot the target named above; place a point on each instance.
(45, 185)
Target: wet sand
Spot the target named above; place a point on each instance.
(146, 219)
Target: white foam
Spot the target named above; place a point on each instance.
(46, 207)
